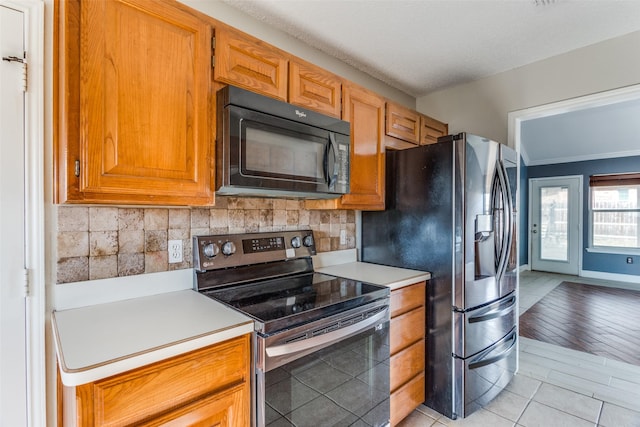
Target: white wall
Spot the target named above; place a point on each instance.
(240, 20)
(482, 106)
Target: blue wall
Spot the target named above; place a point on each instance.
(607, 263)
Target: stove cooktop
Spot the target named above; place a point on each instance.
(269, 276)
(279, 304)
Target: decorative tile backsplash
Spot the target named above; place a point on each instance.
(104, 242)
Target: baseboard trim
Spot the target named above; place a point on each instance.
(524, 267)
(630, 278)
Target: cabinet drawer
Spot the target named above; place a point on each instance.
(407, 329)
(141, 393)
(407, 298)
(406, 364)
(406, 399)
(229, 408)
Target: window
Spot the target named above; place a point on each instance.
(615, 211)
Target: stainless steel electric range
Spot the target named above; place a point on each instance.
(321, 345)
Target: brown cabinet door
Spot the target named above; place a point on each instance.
(246, 62)
(196, 382)
(365, 111)
(142, 107)
(314, 88)
(402, 123)
(431, 130)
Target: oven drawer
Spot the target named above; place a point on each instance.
(407, 329)
(406, 364)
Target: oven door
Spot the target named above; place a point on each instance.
(265, 154)
(334, 372)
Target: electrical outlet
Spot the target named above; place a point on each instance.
(629, 260)
(343, 237)
(175, 251)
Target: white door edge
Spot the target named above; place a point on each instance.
(34, 11)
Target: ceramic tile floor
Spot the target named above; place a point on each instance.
(554, 387)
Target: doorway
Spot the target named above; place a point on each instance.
(555, 226)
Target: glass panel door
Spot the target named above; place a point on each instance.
(554, 224)
(554, 203)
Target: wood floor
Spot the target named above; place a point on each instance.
(599, 320)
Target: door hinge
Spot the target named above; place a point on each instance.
(213, 52)
(23, 62)
(76, 170)
(26, 282)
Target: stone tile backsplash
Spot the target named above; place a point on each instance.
(103, 242)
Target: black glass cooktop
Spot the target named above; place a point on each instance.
(285, 302)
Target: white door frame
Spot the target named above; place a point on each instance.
(34, 11)
(579, 217)
(517, 117)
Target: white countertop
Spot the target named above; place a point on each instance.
(101, 340)
(106, 328)
(392, 277)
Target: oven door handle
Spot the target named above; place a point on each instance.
(328, 337)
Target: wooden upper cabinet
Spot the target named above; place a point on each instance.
(364, 110)
(246, 62)
(406, 128)
(402, 123)
(132, 97)
(314, 88)
(431, 130)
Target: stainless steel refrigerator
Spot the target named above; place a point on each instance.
(450, 210)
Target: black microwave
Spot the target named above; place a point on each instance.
(270, 148)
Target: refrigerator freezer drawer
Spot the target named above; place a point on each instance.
(478, 329)
(479, 379)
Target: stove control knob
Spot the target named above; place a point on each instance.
(308, 240)
(210, 250)
(295, 242)
(228, 248)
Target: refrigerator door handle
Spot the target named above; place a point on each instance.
(494, 312)
(510, 341)
(502, 190)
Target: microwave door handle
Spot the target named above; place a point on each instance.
(331, 171)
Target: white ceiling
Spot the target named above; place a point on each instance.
(420, 46)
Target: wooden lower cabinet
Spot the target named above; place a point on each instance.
(206, 387)
(407, 344)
